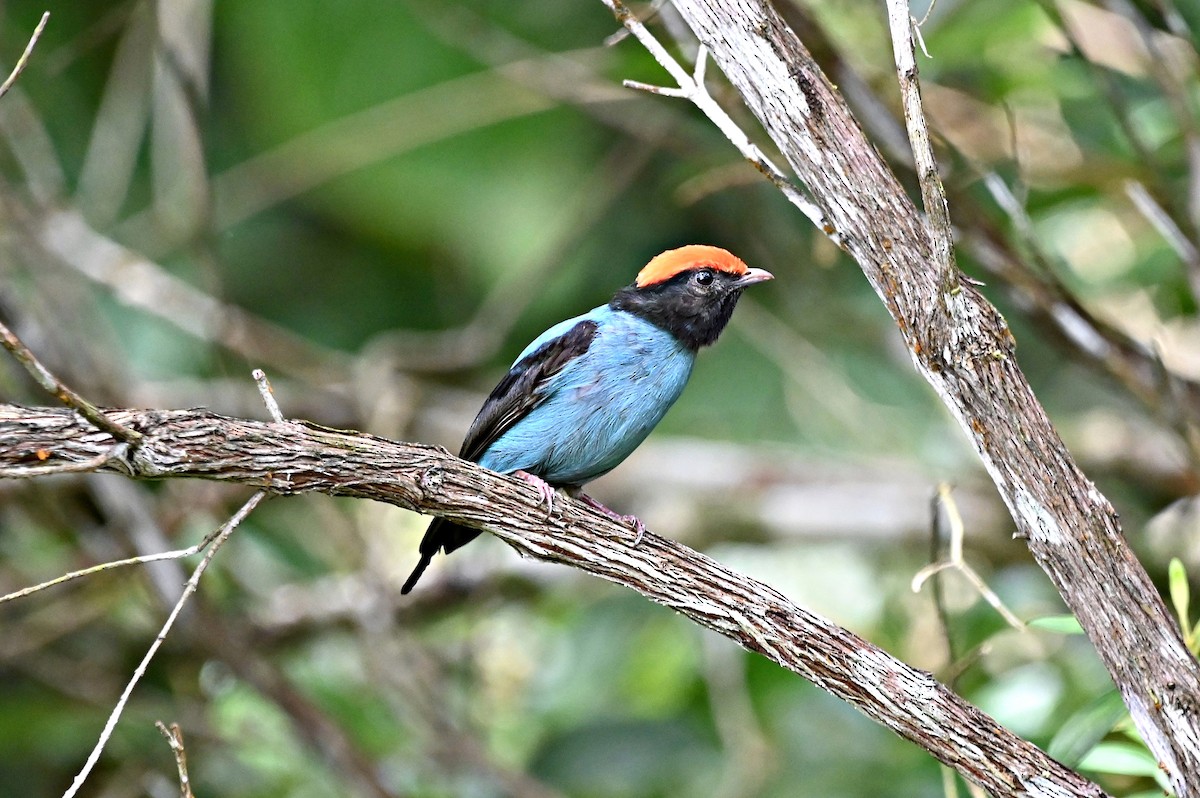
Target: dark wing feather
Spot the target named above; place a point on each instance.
(521, 390)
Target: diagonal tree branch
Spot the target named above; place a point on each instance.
(24, 59)
(295, 457)
(962, 346)
(16, 347)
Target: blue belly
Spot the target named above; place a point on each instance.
(601, 406)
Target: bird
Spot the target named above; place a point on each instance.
(585, 393)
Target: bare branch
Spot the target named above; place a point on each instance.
(95, 569)
(175, 739)
(692, 88)
(24, 59)
(94, 465)
(933, 195)
(222, 535)
(299, 457)
(60, 391)
(267, 394)
(944, 503)
(962, 346)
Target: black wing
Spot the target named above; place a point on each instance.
(521, 390)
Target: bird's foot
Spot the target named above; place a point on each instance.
(543, 488)
(639, 529)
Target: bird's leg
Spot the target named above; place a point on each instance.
(639, 529)
(543, 489)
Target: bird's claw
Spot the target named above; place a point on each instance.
(639, 528)
(543, 488)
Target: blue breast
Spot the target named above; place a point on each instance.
(601, 406)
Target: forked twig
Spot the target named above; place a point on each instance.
(55, 386)
(175, 739)
(95, 463)
(220, 536)
(691, 88)
(1160, 219)
(957, 562)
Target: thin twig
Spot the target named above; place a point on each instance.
(222, 534)
(143, 559)
(692, 88)
(956, 561)
(1161, 221)
(80, 467)
(920, 38)
(175, 739)
(24, 59)
(937, 533)
(267, 394)
(933, 194)
(44, 378)
(925, 18)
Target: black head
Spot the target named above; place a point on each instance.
(694, 304)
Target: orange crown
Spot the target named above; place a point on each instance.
(670, 263)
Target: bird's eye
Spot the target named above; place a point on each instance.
(704, 277)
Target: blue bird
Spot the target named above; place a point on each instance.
(586, 392)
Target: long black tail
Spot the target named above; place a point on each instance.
(444, 535)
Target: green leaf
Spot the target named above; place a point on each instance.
(1086, 728)
(1063, 624)
(1122, 758)
(1180, 597)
